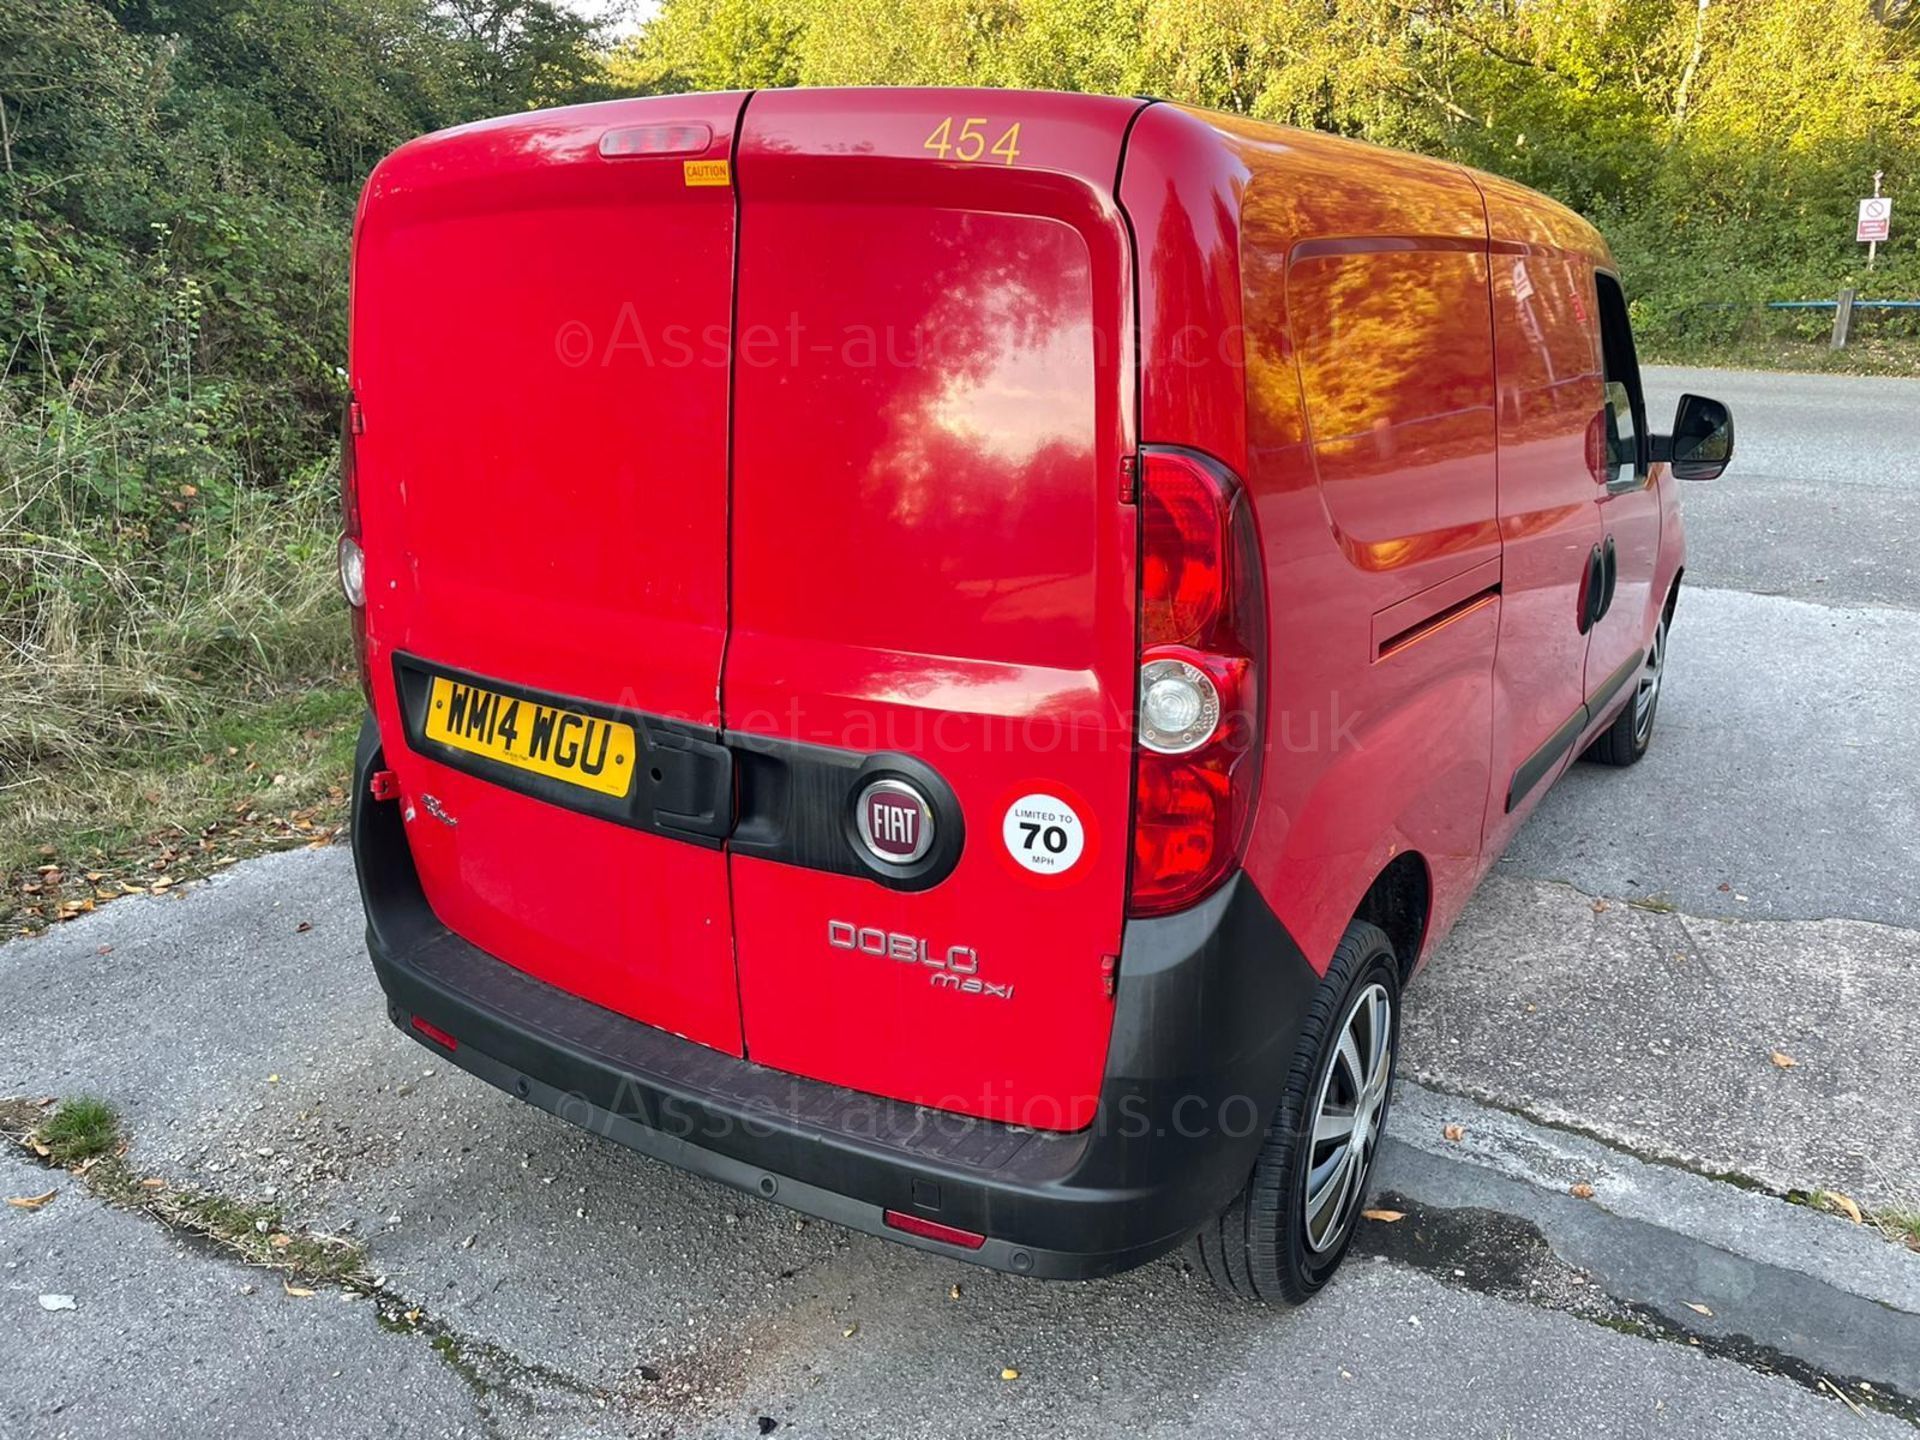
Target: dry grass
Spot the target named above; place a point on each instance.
(174, 652)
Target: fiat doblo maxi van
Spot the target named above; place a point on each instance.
(940, 657)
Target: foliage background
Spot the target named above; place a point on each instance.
(177, 181)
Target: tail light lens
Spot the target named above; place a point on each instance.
(1202, 629)
(353, 560)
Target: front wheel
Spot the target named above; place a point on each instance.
(1282, 1237)
(1626, 740)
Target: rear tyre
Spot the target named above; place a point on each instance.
(1627, 739)
(1282, 1237)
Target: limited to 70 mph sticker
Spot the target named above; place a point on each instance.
(1044, 834)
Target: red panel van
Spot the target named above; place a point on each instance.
(941, 657)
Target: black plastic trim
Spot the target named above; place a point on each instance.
(1535, 767)
(683, 775)
(770, 798)
(1207, 1020)
(1602, 699)
(797, 806)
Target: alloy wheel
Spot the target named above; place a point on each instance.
(1648, 695)
(1347, 1118)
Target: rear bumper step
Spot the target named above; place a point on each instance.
(1208, 1012)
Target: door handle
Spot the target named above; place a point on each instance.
(1591, 585)
(1611, 567)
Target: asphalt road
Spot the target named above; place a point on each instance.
(565, 1286)
(1767, 850)
(568, 1287)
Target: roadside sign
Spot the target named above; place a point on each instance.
(1876, 214)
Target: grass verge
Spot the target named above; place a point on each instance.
(268, 776)
(83, 1136)
(1796, 341)
(176, 686)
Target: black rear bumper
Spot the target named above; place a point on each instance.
(1207, 1017)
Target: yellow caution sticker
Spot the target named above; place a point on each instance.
(708, 172)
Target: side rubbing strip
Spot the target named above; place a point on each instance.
(1603, 697)
(1536, 765)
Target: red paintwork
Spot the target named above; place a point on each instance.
(931, 555)
(553, 516)
(857, 538)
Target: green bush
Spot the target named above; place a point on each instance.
(177, 183)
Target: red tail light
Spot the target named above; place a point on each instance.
(1197, 765)
(353, 572)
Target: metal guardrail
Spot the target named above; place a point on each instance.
(1835, 304)
(1843, 307)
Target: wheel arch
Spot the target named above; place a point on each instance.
(1673, 595)
(1400, 902)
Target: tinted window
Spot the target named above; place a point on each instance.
(1627, 449)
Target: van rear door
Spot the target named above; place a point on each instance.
(933, 558)
(540, 333)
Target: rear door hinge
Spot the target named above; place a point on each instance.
(1109, 975)
(1129, 479)
(384, 785)
(356, 418)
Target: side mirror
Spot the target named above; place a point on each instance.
(1702, 439)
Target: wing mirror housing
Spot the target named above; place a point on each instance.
(1701, 444)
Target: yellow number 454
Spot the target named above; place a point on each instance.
(970, 143)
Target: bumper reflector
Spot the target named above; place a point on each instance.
(930, 1229)
(434, 1033)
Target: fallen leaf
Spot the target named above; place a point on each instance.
(1009, 1373)
(1698, 1309)
(303, 927)
(1600, 907)
(1455, 1133)
(1385, 1217)
(1784, 1060)
(299, 1292)
(154, 1182)
(32, 1202)
(954, 1293)
(1581, 1191)
(848, 1333)
(279, 1242)
(1844, 1204)
(57, 1302)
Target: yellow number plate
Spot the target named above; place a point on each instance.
(579, 749)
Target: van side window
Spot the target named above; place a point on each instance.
(1627, 448)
